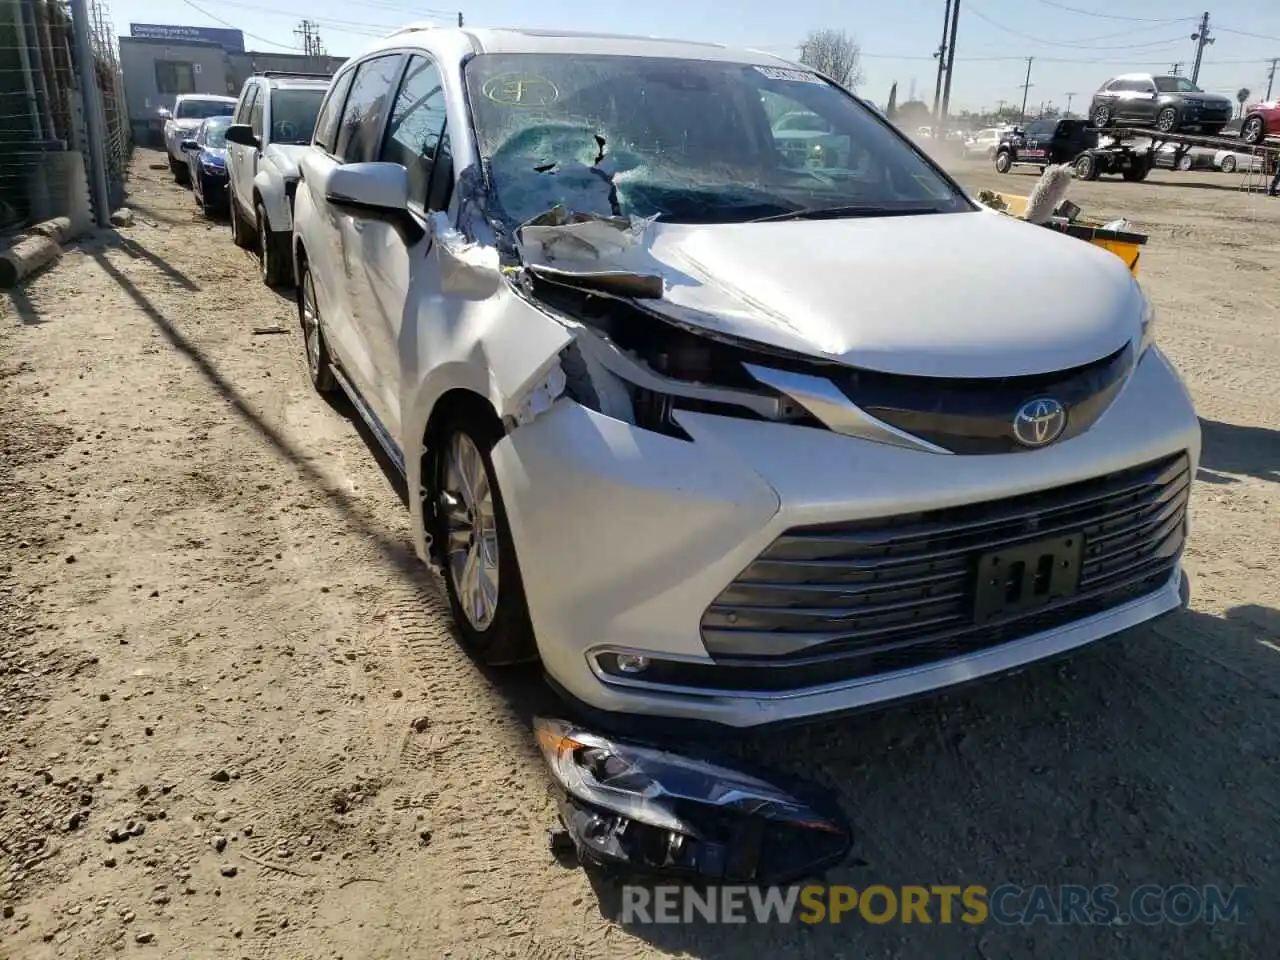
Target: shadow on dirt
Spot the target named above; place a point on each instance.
(1149, 758)
(522, 689)
(1229, 449)
(27, 313)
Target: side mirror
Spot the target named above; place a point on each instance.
(375, 191)
(164, 113)
(242, 134)
(190, 145)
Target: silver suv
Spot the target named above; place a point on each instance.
(272, 127)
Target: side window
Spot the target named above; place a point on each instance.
(246, 101)
(417, 124)
(367, 104)
(326, 133)
(255, 111)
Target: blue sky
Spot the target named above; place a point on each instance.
(1076, 43)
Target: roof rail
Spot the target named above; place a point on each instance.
(413, 27)
(292, 73)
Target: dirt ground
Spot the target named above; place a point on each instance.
(234, 721)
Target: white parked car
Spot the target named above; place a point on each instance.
(273, 123)
(1229, 161)
(718, 436)
(189, 111)
(983, 143)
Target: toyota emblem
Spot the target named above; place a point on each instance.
(1039, 422)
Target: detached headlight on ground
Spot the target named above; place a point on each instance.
(644, 809)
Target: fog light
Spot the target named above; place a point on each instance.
(631, 663)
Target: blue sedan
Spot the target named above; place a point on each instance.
(207, 163)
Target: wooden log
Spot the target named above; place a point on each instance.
(25, 257)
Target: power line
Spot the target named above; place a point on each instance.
(1111, 16)
(1084, 43)
(227, 23)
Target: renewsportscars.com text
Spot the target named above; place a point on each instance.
(1008, 904)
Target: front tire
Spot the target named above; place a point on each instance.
(1101, 116)
(1184, 162)
(1167, 120)
(486, 592)
(319, 363)
(1086, 167)
(1003, 162)
(271, 263)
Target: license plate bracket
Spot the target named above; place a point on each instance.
(1019, 579)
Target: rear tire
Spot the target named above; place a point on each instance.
(1101, 116)
(1003, 161)
(1136, 173)
(1184, 162)
(1254, 130)
(1228, 164)
(486, 592)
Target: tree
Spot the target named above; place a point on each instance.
(912, 112)
(1241, 96)
(834, 53)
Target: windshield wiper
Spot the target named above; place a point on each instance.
(849, 210)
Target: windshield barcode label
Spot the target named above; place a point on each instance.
(795, 76)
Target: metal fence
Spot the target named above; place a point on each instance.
(47, 157)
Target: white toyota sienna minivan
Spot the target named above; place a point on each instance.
(702, 381)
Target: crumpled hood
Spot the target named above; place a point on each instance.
(951, 295)
(285, 157)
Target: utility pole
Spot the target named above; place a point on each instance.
(310, 35)
(1067, 112)
(1026, 87)
(459, 18)
(941, 55)
(951, 60)
(1202, 39)
(1271, 77)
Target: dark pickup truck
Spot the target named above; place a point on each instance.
(1043, 142)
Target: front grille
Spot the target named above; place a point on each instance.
(975, 416)
(855, 599)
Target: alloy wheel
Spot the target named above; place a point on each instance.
(1252, 132)
(472, 528)
(262, 248)
(311, 325)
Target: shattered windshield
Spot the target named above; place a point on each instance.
(690, 141)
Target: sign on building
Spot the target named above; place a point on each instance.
(230, 40)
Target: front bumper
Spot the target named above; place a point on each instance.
(626, 537)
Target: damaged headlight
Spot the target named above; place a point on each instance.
(643, 809)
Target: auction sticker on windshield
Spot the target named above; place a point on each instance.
(517, 90)
(795, 76)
